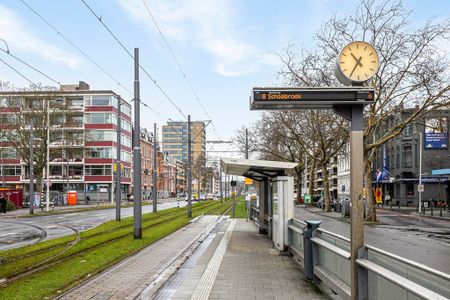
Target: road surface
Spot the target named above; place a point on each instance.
(21, 231)
(424, 240)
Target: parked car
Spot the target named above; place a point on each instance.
(209, 196)
(202, 196)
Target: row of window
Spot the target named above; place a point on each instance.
(68, 101)
(73, 171)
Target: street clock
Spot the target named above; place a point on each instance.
(356, 63)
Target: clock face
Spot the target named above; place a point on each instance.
(358, 61)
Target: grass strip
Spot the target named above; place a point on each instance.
(104, 233)
(240, 210)
(56, 279)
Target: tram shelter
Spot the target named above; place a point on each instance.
(275, 192)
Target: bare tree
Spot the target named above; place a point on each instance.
(413, 73)
(46, 109)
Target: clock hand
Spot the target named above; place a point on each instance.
(354, 68)
(358, 60)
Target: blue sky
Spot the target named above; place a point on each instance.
(224, 47)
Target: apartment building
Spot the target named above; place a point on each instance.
(174, 140)
(80, 127)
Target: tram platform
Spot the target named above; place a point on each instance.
(211, 258)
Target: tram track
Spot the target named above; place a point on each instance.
(55, 258)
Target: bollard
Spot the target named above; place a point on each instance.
(440, 211)
(308, 248)
(431, 209)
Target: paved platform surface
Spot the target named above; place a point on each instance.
(235, 262)
(129, 278)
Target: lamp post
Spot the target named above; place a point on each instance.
(420, 170)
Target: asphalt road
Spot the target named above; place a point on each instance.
(21, 231)
(424, 240)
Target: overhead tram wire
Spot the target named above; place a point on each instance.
(178, 64)
(76, 47)
(30, 66)
(18, 72)
(132, 57)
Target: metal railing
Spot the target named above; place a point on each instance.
(382, 275)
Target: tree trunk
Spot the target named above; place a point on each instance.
(370, 201)
(326, 187)
(311, 180)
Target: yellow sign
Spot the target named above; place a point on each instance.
(378, 196)
(248, 181)
(115, 167)
(233, 193)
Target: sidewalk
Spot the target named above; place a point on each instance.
(239, 263)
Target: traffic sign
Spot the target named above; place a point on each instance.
(420, 188)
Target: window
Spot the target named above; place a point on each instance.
(100, 100)
(7, 119)
(408, 130)
(126, 156)
(125, 109)
(100, 118)
(11, 171)
(74, 120)
(126, 125)
(397, 157)
(108, 152)
(101, 135)
(126, 140)
(407, 156)
(8, 153)
(409, 189)
(126, 172)
(75, 102)
(98, 170)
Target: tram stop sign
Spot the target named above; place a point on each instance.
(292, 98)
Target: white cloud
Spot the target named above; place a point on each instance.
(211, 25)
(14, 30)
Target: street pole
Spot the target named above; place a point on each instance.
(246, 143)
(233, 194)
(189, 168)
(356, 186)
(220, 182)
(137, 204)
(420, 171)
(31, 196)
(118, 163)
(47, 167)
(154, 175)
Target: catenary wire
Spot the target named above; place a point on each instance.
(30, 66)
(18, 72)
(76, 47)
(132, 57)
(186, 78)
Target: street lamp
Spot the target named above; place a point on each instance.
(420, 186)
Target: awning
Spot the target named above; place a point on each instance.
(256, 169)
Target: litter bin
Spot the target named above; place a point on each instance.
(307, 247)
(72, 198)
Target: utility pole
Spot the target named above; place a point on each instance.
(220, 182)
(31, 196)
(47, 166)
(246, 143)
(154, 175)
(189, 168)
(118, 163)
(137, 203)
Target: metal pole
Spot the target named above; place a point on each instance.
(233, 194)
(137, 204)
(31, 196)
(220, 182)
(356, 186)
(420, 171)
(118, 163)
(3, 174)
(246, 143)
(155, 170)
(189, 168)
(47, 167)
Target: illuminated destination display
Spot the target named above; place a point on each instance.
(309, 98)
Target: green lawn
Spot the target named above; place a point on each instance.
(96, 250)
(240, 209)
